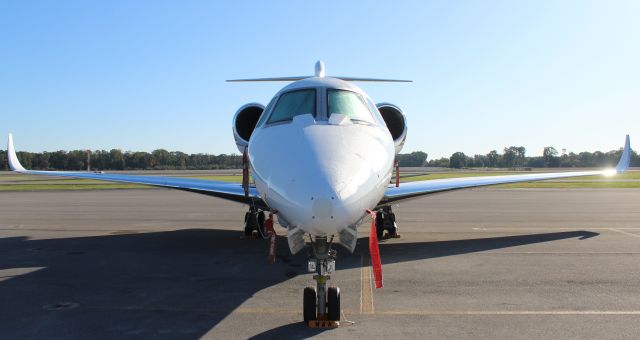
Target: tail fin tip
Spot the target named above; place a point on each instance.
(625, 157)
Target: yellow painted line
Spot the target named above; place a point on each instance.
(624, 232)
(515, 312)
(366, 290)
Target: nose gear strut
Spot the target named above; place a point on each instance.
(322, 303)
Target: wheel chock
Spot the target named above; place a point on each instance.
(323, 324)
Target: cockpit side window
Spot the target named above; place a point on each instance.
(265, 113)
(350, 104)
(293, 104)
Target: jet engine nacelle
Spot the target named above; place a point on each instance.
(244, 122)
(396, 123)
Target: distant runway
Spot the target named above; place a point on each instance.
(484, 263)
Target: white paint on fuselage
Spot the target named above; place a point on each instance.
(321, 177)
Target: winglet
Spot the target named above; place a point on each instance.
(625, 158)
(14, 163)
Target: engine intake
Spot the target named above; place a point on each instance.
(396, 123)
(244, 122)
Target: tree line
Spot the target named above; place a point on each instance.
(118, 160)
(512, 157)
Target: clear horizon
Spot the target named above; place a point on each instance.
(146, 75)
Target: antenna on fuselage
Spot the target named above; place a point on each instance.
(320, 73)
(320, 69)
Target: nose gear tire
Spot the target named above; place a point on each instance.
(333, 303)
(309, 304)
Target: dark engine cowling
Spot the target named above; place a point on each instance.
(244, 122)
(396, 123)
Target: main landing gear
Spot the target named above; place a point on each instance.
(254, 224)
(322, 303)
(386, 220)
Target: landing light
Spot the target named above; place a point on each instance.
(311, 265)
(609, 172)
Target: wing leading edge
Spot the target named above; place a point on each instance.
(229, 191)
(420, 188)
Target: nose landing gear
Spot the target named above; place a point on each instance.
(322, 304)
(386, 220)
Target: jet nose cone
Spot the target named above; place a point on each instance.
(326, 176)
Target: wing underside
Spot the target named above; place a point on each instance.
(229, 191)
(416, 189)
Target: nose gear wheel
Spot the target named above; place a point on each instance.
(321, 305)
(254, 224)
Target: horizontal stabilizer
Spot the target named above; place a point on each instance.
(267, 79)
(320, 73)
(378, 80)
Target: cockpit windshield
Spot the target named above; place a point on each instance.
(293, 104)
(350, 104)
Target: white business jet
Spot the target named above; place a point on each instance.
(321, 155)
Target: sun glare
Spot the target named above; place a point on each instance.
(609, 172)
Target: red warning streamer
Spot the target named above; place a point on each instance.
(245, 172)
(397, 174)
(271, 233)
(374, 250)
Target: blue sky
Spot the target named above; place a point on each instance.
(142, 75)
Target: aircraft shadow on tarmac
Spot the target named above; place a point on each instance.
(170, 284)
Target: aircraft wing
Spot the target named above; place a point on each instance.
(420, 188)
(229, 191)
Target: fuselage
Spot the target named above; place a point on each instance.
(317, 158)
